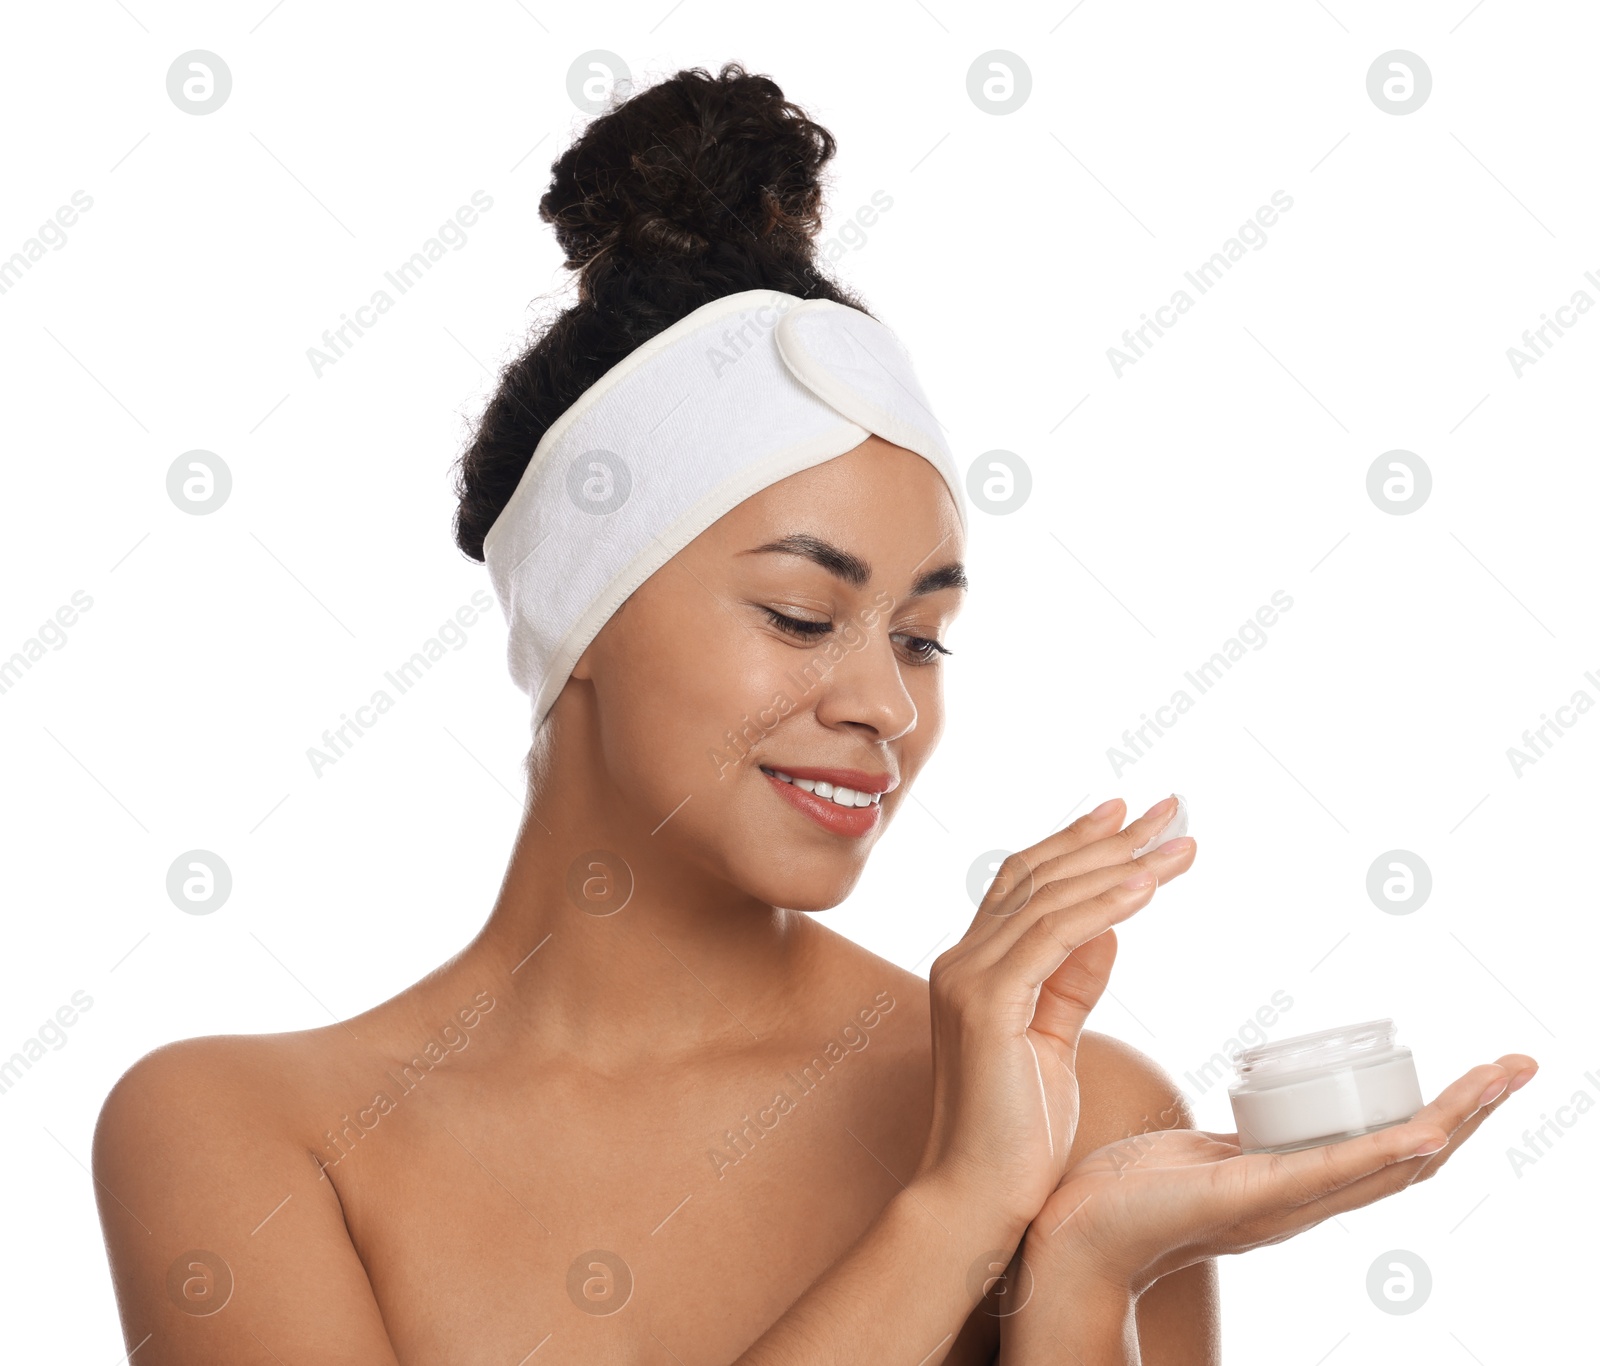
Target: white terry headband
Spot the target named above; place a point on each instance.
(744, 391)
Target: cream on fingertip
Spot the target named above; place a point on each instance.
(1178, 825)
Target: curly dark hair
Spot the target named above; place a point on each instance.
(697, 187)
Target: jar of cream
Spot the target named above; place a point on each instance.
(1321, 1088)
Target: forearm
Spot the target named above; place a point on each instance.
(1071, 1317)
(902, 1291)
(1093, 1329)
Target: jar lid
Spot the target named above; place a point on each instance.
(1341, 1047)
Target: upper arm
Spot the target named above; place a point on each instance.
(1125, 1092)
(226, 1241)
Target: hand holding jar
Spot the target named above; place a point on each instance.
(1140, 1208)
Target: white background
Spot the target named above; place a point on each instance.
(1228, 462)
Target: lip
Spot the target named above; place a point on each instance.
(851, 821)
(856, 778)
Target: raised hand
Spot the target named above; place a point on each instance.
(1009, 1001)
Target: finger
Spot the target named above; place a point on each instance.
(1013, 881)
(1065, 906)
(1358, 1171)
(1113, 848)
(1437, 1118)
(1232, 1140)
(1074, 989)
(1336, 1168)
(1406, 1172)
(1465, 1094)
(1043, 946)
(1309, 1181)
(1495, 1090)
(1515, 1064)
(1092, 841)
(1389, 1180)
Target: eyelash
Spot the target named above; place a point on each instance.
(813, 630)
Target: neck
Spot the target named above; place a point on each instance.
(613, 949)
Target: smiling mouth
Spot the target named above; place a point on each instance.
(839, 796)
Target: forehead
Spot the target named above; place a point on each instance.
(878, 500)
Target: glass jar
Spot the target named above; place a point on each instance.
(1324, 1087)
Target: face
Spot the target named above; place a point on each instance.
(801, 635)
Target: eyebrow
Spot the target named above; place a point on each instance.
(852, 568)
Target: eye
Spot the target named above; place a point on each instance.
(922, 649)
(794, 626)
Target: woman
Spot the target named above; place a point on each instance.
(654, 1111)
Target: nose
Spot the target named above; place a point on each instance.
(865, 689)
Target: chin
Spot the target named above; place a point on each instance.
(809, 898)
(799, 880)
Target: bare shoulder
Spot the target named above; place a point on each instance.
(210, 1199)
(242, 1088)
(875, 985)
(1122, 1092)
(195, 1135)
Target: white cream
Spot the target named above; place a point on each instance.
(1178, 825)
(1324, 1087)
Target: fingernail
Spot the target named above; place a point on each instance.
(1493, 1091)
(1431, 1146)
(1159, 805)
(1176, 823)
(1140, 879)
(1175, 846)
(1522, 1079)
(1104, 809)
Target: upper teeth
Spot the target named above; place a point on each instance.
(839, 796)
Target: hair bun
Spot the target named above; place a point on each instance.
(690, 169)
(696, 188)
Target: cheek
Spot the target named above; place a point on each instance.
(682, 706)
